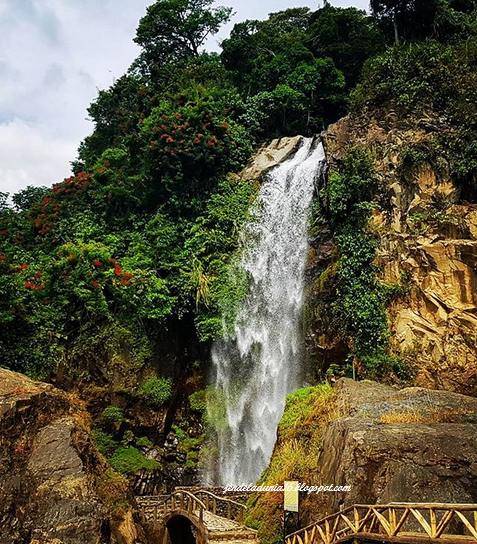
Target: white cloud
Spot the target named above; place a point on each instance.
(31, 155)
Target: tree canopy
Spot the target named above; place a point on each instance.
(173, 30)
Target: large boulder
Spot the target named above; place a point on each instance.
(388, 445)
(55, 487)
(271, 155)
(412, 445)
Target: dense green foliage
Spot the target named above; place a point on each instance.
(130, 460)
(357, 310)
(293, 70)
(139, 241)
(155, 391)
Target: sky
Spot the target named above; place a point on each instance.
(54, 57)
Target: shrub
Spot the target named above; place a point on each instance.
(131, 460)
(155, 391)
(113, 415)
(216, 416)
(181, 435)
(104, 442)
(198, 401)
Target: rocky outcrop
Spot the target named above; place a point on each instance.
(413, 445)
(55, 487)
(387, 444)
(427, 244)
(271, 155)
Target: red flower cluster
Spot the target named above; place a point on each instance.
(23, 267)
(35, 286)
(97, 263)
(95, 284)
(120, 274)
(174, 136)
(74, 184)
(49, 207)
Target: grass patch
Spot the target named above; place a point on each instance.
(300, 408)
(131, 460)
(155, 391)
(431, 416)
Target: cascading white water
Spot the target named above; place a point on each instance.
(259, 365)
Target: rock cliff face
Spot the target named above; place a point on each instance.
(427, 239)
(270, 155)
(413, 445)
(55, 488)
(388, 445)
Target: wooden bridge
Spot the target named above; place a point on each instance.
(195, 518)
(404, 523)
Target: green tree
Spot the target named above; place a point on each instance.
(348, 36)
(175, 29)
(410, 18)
(285, 87)
(4, 202)
(27, 197)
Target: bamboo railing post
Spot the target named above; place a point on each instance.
(433, 519)
(392, 521)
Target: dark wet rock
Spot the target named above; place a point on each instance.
(55, 487)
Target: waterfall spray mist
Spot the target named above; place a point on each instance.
(258, 365)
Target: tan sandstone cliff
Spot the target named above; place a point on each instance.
(427, 234)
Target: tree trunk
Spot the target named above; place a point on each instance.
(396, 33)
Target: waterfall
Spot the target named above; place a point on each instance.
(259, 364)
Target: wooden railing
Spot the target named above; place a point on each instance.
(392, 523)
(154, 508)
(221, 506)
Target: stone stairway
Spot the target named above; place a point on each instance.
(228, 531)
